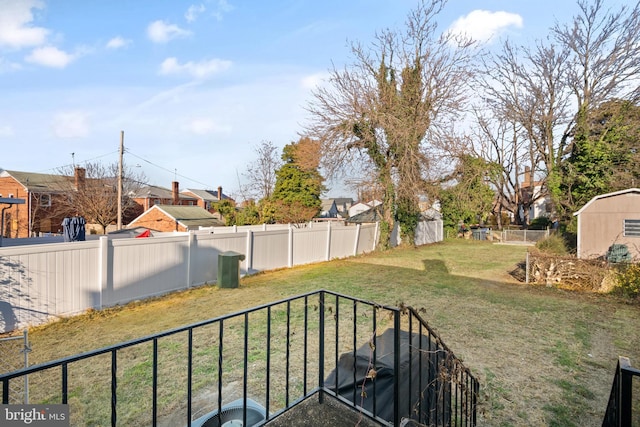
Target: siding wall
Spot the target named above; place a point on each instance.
(601, 224)
(40, 282)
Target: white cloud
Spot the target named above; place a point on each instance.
(50, 56)
(484, 26)
(117, 43)
(194, 10)
(71, 124)
(198, 70)
(6, 66)
(314, 80)
(6, 131)
(16, 29)
(162, 32)
(222, 8)
(203, 126)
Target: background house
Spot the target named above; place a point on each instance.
(207, 198)
(607, 219)
(151, 195)
(168, 218)
(43, 211)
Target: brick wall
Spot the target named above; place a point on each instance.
(157, 220)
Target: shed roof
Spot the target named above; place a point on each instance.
(607, 195)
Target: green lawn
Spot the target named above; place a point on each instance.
(542, 356)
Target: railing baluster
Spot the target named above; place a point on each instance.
(320, 346)
(5, 391)
(114, 388)
(65, 384)
(155, 383)
(396, 368)
(355, 356)
(220, 349)
(189, 375)
(306, 345)
(288, 356)
(268, 363)
(245, 368)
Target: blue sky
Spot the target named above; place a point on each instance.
(194, 85)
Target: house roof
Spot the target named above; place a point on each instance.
(371, 215)
(607, 195)
(39, 182)
(189, 216)
(206, 195)
(327, 204)
(156, 192)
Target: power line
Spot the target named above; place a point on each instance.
(174, 172)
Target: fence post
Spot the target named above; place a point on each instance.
(375, 236)
(290, 255)
(103, 266)
(190, 253)
(328, 240)
(355, 246)
(249, 256)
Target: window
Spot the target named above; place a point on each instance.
(632, 227)
(156, 201)
(45, 200)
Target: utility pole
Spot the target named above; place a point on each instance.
(119, 226)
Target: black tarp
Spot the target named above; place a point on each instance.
(423, 395)
(73, 229)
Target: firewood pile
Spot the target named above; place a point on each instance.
(569, 273)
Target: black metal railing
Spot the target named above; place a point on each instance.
(620, 407)
(384, 361)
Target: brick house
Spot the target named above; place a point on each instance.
(43, 210)
(147, 197)
(206, 198)
(169, 218)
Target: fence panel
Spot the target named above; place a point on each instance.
(270, 250)
(367, 238)
(342, 241)
(148, 267)
(309, 245)
(46, 280)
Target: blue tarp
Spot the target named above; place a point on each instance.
(73, 229)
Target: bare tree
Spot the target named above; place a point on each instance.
(389, 105)
(526, 107)
(91, 192)
(261, 173)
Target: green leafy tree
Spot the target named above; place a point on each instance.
(470, 198)
(607, 158)
(227, 209)
(299, 185)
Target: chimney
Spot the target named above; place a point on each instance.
(527, 175)
(80, 174)
(219, 193)
(174, 188)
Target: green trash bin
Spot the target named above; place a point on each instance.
(229, 269)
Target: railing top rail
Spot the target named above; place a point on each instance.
(149, 338)
(625, 365)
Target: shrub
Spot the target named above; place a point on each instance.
(628, 280)
(554, 244)
(540, 223)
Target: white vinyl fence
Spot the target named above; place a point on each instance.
(38, 282)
